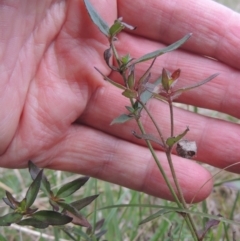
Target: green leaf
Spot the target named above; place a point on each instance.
(121, 119)
(164, 50)
(165, 79)
(10, 218)
(51, 217)
(77, 217)
(11, 201)
(179, 91)
(101, 24)
(131, 78)
(22, 206)
(130, 109)
(80, 204)
(148, 137)
(12, 206)
(44, 218)
(126, 59)
(45, 185)
(172, 140)
(54, 205)
(130, 93)
(155, 215)
(33, 190)
(116, 28)
(147, 95)
(71, 187)
(33, 222)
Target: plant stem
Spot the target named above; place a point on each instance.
(115, 53)
(154, 122)
(149, 145)
(181, 203)
(187, 217)
(171, 116)
(179, 190)
(170, 162)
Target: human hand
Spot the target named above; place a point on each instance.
(56, 109)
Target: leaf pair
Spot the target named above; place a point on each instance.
(24, 215)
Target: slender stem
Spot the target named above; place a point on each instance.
(187, 217)
(181, 203)
(170, 162)
(115, 53)
(154, 123)
(149, 145)
(171, 116)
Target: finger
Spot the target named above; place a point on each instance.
(217, 140)
(219, 94)
(215, 28)
(94, 153)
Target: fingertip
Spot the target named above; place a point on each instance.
(195, 181)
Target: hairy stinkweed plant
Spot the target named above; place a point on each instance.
(62, 212)
(139, 92)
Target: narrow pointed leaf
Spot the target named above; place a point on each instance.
(10, 218)
(164, 50)
(131, 78)
(11, 205)
(45, 185)
(107, 55)
(145, 77)
(155, 215)
(99, 224)
(172, 140)
(197, 84)
(51, 217)
(121, 119)
(44, 218)
(130, 109)
(71, 187)
(54, 205)
(11, 201)
(80, 204)
(110, 81)
(77, 217)
(33, 222)
(165, 79)
(100, 234)
(33, 190)
(148, 137)
(101, 24)
(147, 95)
(211, 223)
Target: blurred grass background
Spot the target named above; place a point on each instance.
(122, 223)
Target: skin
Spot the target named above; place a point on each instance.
(56, 109)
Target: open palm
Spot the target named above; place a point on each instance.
(56, 109)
